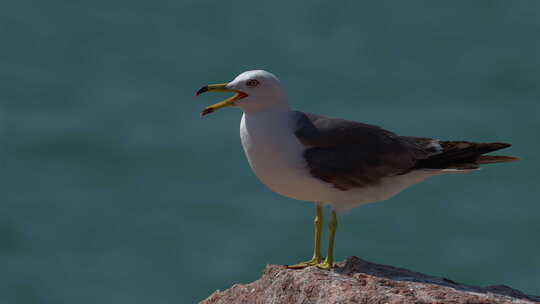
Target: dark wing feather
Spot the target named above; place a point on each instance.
(464, 155)
(349, 154)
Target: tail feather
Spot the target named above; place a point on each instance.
(493, 159)
(465, 155)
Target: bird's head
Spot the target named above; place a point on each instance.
(254, 91)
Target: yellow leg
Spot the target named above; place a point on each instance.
(329, 261)
(316, 259)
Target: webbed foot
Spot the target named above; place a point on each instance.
(314, 261)
(326, 265)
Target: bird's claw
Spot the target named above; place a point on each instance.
(325, 265)
(314, 261)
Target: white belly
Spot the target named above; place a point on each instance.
(276, 157)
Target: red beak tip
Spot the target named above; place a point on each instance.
(206, 111)
(201, 90)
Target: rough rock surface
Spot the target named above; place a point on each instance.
(359, 281)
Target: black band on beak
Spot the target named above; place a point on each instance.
(202, 90)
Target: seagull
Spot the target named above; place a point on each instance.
(333, 161)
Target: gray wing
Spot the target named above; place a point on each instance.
(350, 154)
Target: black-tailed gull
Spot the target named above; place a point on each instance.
(334, 161)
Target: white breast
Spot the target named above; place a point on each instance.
(274, 153)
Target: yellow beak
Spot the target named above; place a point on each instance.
(222, 104)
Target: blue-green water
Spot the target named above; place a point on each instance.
(113, 189)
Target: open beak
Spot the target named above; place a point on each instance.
(222, 104)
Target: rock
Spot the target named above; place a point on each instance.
(357, 281)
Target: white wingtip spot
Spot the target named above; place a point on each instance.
(434, 144)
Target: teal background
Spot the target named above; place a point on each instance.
(113, 190)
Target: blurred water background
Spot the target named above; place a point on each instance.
(113, 190)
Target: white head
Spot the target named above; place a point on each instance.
(256, 90)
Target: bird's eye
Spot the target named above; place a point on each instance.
(252, 83)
